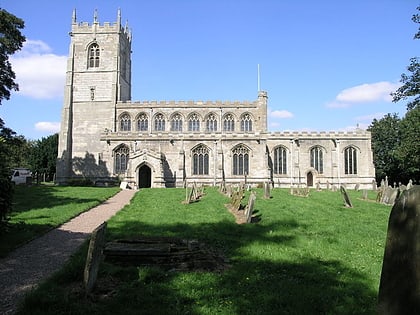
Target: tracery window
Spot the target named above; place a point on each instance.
(176, 122)
(142, 122)
(246, 123)
(228, 122)
(240, 160)
(194, 122)
(159, 122)
(350, 160)
(94, 55)
(121, 156)
(280, 160)
(200, 160)
(317, 159)
(125, 123)
(211, 123)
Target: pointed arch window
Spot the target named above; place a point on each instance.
(317, 159)
(211, 123)
(159, 122)
(240, 162)
(350, 161)
(176, 122)
(228, 122)
(194, 122)
(125, 123)
(121, 156)
(142, 122)
(94, 54)
(200, 160)
(280, 160)
(246, 123)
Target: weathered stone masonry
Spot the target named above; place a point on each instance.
(163, 144)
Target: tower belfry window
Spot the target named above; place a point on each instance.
(94, 55)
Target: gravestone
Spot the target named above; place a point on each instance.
(328, 185)
(267, 190)
(249, 209)
(374, 185)
(400, 277)
(94, 257)
(364, 194)
(346, 197)
(124, 185)
(389, 195)
(318, 186)
(357, 187)
(410, 184)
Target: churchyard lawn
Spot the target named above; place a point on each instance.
(306, 255)
(38, 209)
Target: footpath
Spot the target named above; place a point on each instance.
(27, 266)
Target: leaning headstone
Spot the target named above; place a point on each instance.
(346, 197)
(124, 185)
(94, 257)
(318, 186)
(389, 195)
(357, 187)
(250, 207)
(400, 278)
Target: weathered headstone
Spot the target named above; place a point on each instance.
(94, 257)
(410, 184)
(267, 190)
(346, 197)
(389, 195)
(399, 291)
(357, 187)
(374, 185)
(249, 209)
(124, 185)
(364, 194)
(318, 186)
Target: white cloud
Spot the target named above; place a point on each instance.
(39, 73)
(364, 93)
(370, 117)
(48, 126)
(281, 114)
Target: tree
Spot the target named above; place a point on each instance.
(411, 82)
(408, 153)
(11, 40)
(386, 137)
(44, 156)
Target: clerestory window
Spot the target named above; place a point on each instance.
(159, 122)
(194, 122)
(142, 122)
(246, 123)
(211, 123)
(176, 122)
(228, 122)
(125, 123)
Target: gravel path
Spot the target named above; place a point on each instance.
(32, 263)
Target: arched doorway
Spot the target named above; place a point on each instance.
(145, 177)
(309, 179)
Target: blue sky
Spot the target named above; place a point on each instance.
(326, 65)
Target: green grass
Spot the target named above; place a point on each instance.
(306, 256)
(37, 209)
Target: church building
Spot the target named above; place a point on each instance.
(105, 135)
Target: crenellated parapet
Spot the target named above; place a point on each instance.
(358, 133)
(188, 104)
(98, 28)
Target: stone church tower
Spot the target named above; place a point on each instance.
(98, 76)
(104, 135)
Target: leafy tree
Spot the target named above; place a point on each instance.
(386, 137)
(411, 82)
(44, 156)
(11, 40)
(408, 153)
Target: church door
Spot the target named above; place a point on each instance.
(309, 179)
(145, 177)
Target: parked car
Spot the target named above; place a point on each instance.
(21, 176)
